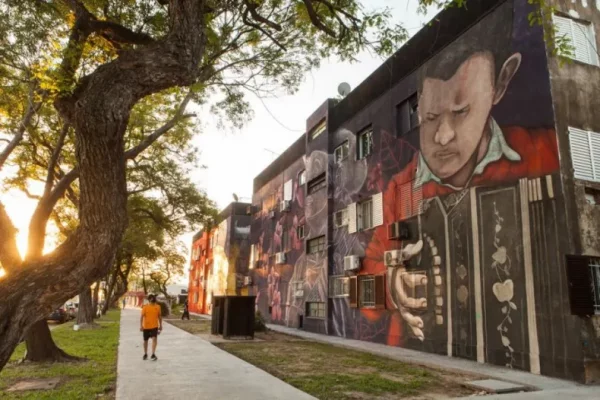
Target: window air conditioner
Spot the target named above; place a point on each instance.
(280, 258)
(393, 258)
(351, 263)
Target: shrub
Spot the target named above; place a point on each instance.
(164, 308)
(259, 322)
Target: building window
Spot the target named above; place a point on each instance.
(365, 215)
(407, 115)
(339, 286)
(580, 36)
(298, 288)
(341, 152)
(196, 297)
(320, 182)
(315, 310)
(365, 143)
(585, 154)
(340, 218)
(366, 291)
(316, 245)
(595, 275)
(317, 130)
(300, 232)
(302, 178)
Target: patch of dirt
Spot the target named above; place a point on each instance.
(34, 384)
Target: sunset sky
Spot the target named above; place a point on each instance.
(234, 158)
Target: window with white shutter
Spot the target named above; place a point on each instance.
(377, 209)
(352, 218)
(580, 36)
(585, 154)
(287, 190)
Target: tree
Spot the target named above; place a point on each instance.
(171, 264)
(145, 48)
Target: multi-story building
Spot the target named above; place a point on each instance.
(220, 259)
(451, 202)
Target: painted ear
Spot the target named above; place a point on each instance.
(508, 71)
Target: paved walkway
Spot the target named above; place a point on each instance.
(550, 388)
(189, 368)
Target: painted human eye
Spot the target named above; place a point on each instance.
(462, 111)
(431, 116)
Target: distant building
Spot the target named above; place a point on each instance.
(219, 262)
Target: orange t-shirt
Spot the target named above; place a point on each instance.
(151, 314)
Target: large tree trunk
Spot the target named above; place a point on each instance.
(41, 346)
(85, 315)
(98, 109)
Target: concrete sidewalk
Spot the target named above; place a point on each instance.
(549, 388)
(189, 368)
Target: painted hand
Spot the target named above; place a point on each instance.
(399, 280)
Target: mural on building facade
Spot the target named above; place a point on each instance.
(475, 183)
(456, 180)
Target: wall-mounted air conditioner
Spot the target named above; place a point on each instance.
(280, 258)
(247, 280)
(272, 214)
(284, 206)
(393, 258)
(351, 263)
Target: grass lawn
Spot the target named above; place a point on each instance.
(333, 373)
(81, 380)
(193, 326)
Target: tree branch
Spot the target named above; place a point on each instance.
(314, 18)
(54, 159)
(30, 111)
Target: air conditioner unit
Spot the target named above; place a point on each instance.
(247, 280)
(299, 293)
(280, 258)
(284, 206)
(272, 214)
(398, 231)
(393, 258)
(351, 263)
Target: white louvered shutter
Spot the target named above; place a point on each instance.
(581, 154)
(582, 42)
(595, 152)
(352, 218)
(563, 27)
(287, 190)
(377, 209)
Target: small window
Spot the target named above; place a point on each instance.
(340, 218)
(339, 286)
(315, 310)
(407, 115)
(367, 291)
(580, 36)
(365, 143)
(316, 245)
(302, 178)
(365, 215)
(300, 232)
(585, 154)
(317, 130)
(341, 152)
(595, 275)
(320, 182)
(371, 291)
(297, 288)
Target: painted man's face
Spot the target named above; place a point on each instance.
(454, 116)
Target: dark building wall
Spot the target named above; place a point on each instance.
(575, 88)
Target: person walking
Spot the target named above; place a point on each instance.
(186, 311)
(124, 303)
(151, 325)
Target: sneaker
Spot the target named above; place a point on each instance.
(145, 357)
(153, 358)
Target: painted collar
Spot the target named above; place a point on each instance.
(496, 149)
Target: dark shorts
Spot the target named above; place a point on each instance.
(150, 333)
